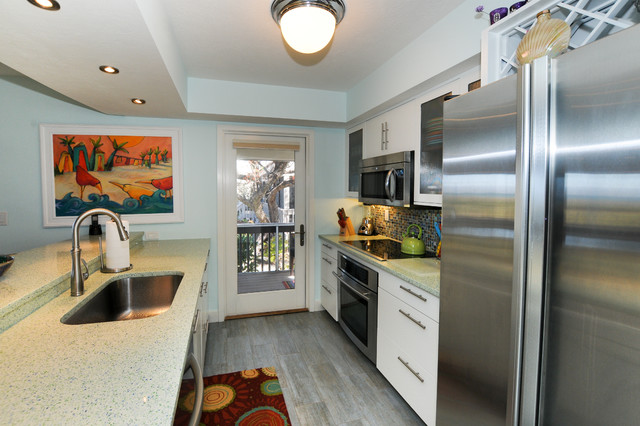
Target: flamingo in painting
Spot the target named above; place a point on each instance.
(83, 178)
(165, 184)
(134, 191)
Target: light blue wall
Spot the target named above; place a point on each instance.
(330, 184)
(23, 110)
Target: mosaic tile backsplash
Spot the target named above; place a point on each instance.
(401, 217)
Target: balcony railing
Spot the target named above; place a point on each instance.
(265, 247)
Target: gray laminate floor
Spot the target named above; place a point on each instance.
(325, 379)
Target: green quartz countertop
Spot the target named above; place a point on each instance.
(423, 273)
(122, 372)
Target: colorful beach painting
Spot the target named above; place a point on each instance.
(130, 174)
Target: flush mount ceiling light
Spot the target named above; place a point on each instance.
(307, 25)
(138, 101)
(45, 4)
(109, 69)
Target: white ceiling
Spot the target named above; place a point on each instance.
(158, 44)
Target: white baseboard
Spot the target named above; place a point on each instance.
(317, 306)
(213, 316)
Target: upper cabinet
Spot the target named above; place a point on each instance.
(394, 131)
(414, 126)
(428, 168)
(427, 189)
(355, 140)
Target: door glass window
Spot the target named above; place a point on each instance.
(265, 224)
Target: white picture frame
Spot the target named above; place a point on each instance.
(141, 190)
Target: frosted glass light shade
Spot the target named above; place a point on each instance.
(307, 29)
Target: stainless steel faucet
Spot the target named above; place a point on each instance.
(77, 276)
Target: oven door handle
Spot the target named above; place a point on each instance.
(390, 185)
(355, 290)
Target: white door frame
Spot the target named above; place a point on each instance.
(227, 261)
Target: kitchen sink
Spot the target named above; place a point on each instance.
(127, 299)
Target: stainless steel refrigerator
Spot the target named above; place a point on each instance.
(540, 273)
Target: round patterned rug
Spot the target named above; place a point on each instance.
(247, 398)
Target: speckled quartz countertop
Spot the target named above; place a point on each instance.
(421, 272)
(126, 372)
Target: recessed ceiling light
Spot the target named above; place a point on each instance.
(45, 4)
(138, 101)
(109, 69)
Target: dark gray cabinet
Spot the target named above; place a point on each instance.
(354, 156)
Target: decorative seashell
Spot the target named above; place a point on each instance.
(547, 37)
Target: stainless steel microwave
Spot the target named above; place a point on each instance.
(387, 180)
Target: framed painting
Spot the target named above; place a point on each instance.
(133, 171)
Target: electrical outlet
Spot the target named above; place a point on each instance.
(152, 236)
(4, 218)
(386, 215)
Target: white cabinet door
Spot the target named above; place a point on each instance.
(200, 326)
(410, 329)
(417, 298)
(328, 281)
(374, 140)
(329, 299)
(409, 379)
(197, 331)
(408, 343)
(394, 131)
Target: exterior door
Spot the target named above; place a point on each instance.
(267, 215)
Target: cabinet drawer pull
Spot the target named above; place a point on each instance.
(327, 246)
(413, 293)
(194, 324)
(326, 288)
(327, 260)
(205, 266)
(424, 327)
(414, 372)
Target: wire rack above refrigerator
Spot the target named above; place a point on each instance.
(590, 20)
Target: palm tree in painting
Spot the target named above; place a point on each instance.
(142, 156)
(116, 148)
(96, 149)
(164, 155)
(149, 153)
(68, 142)
(156, 151)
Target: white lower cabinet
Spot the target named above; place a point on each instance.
(200, 326)
(328, 281)
(409, 379)
(408, 344)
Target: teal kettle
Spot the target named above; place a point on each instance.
(412, 245)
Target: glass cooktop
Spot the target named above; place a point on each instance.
(384, 249)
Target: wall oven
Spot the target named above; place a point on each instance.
(358, 304)
(387, 180)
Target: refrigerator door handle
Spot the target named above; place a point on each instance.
(537, 229)
(523, 132)
(529, 241)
